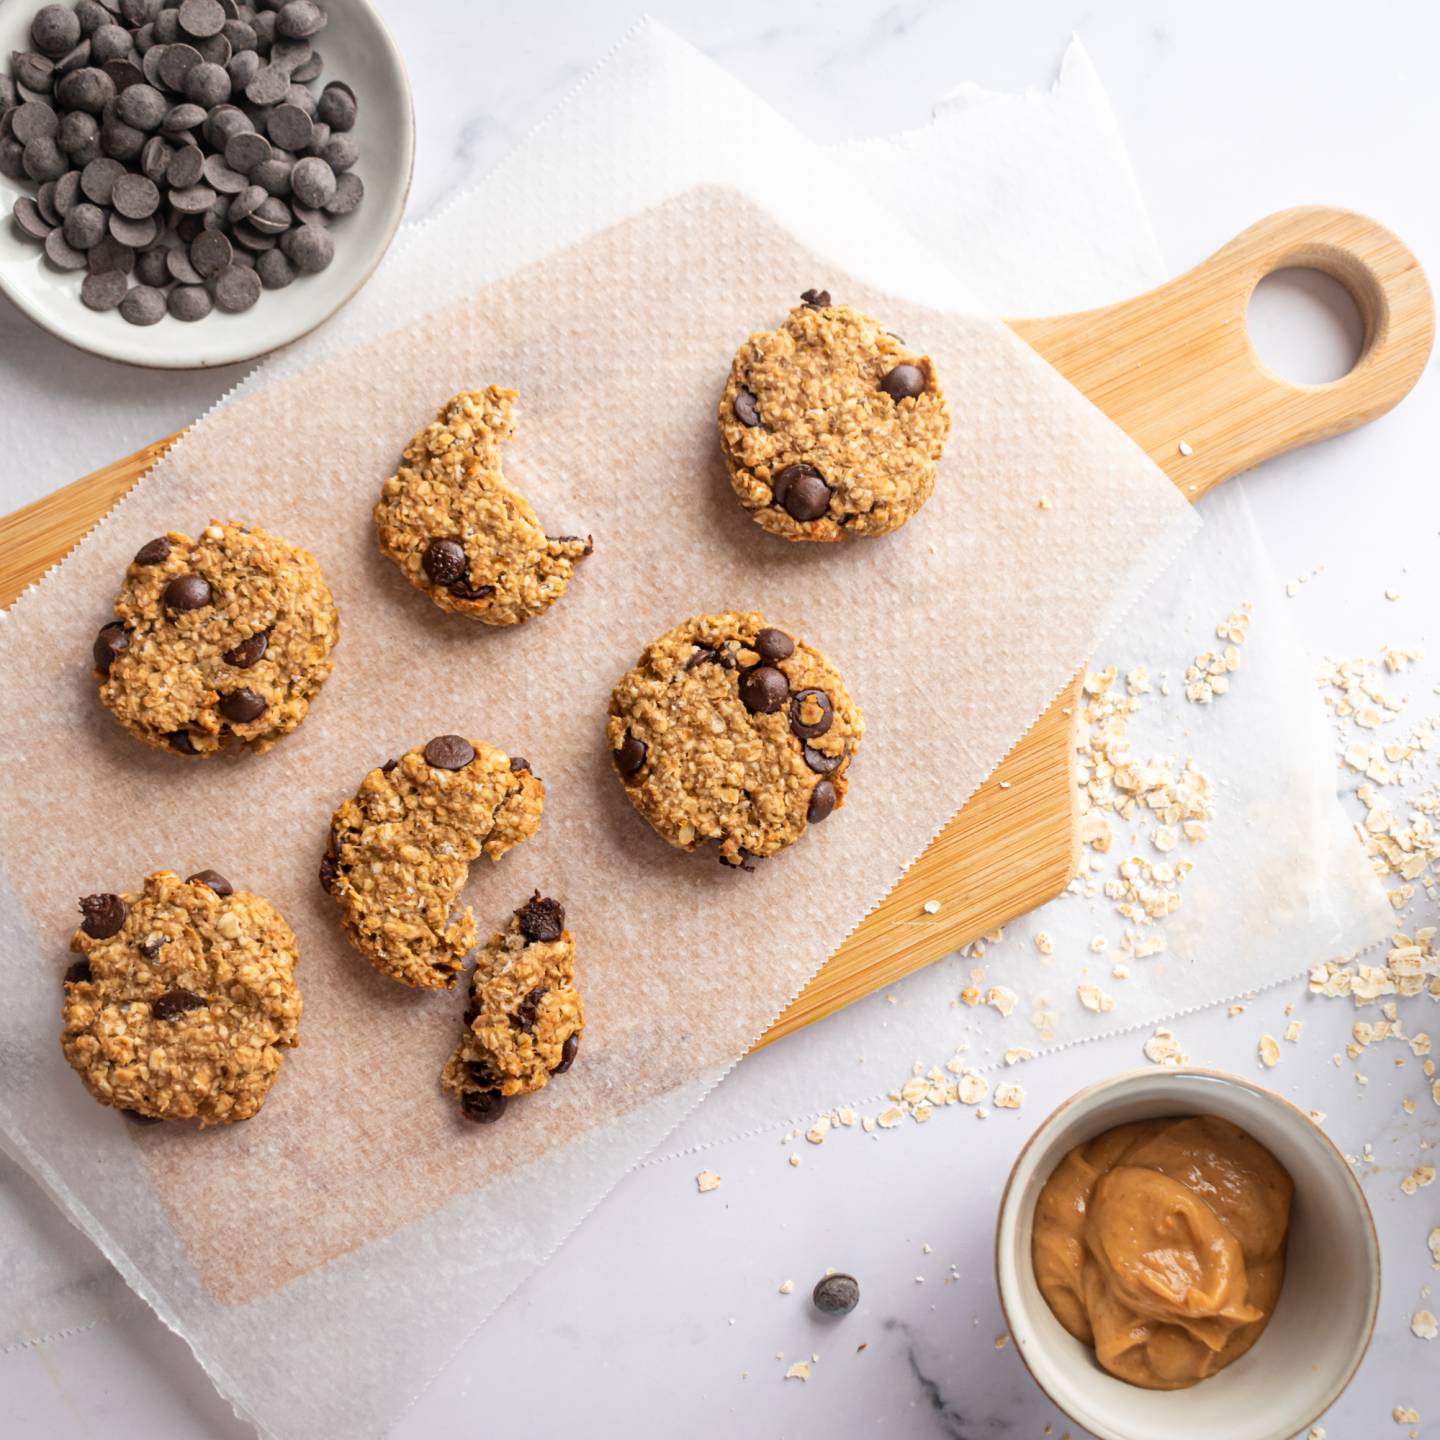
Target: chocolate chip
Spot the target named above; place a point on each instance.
(78, 973)
(136, 1118)
(705, 655)
(631, 755)
(151, 946)
(744, 860)
(112, 639)
(480, 1075)
(444, 560)
(240, 707)
(568, 1051)
(746, 409)
(815, 299)
(541, 918)
(388, 766)
(187, 592)
(180, 740)
(771, 644)
(153, 552)
(836, 1294)
(904, 382)
(329, 872)
(822, 801)
(821, 763)
(802, 491)
(528, 1010)
(212, 880)
(102, 915)
(249, 651)
(174, 1003)
(464, 590)
(801, 704)
(517, 764)
(484, 1107)
(449, 752)
(763, 690)
(469, 1018)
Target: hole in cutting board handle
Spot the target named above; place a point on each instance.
(1306, 326)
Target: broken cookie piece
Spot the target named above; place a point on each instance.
(525, 1017)
(459, 531)
(401, 849)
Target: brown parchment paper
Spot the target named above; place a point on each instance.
(951, 634)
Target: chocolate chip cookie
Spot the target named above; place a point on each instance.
(225, 637)
(400, 851)
(831, 426)
(459, 531)
(525, 1015)
(182, 999)
(732, 730)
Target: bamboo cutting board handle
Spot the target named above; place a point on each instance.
(1176, 364)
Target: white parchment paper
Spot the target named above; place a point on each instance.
(323, 1260)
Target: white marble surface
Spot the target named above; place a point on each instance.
(1231, 111)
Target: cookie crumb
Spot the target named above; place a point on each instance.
(800, 1370)
(1423, 1325)
(706, 1181)
(931, 907)
(787, 1287)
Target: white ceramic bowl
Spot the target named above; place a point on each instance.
(1321, 1327)
(357, 49)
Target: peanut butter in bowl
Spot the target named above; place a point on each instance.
(1161, 1244)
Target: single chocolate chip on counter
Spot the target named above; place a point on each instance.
(823, 799)
(240, 707)
(820, 762)
(801, 490)
(631, 755)
(904, 382)
(836, 1294)
(815, 299)
(78, 973)
(249, 651)
(484, 1107)
(187, 592)
(568, 1051)
(212, 880)
(763, 690)
(174, 1003)
(449, 752)
(541, 919)
(102, 915)
(112, 639)
(528, 1010)
(746, 409)
(772, 644)
(811, 714)
(153, 552)
(444, 560)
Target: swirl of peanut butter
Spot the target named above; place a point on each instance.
(1162, 1244)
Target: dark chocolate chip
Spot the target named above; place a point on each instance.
(816, 729)
(631, 755)
(802, 491)
(329, 872)
(815, 299)
(468, 1019)
(187, 592)
(528, 1010)
(78, 973)
(904, 382)
(240, 707)
(151, 946)
(102, 915)
(705, 655)
(464, 590)
(541, 918)
(484, 1107)
(568, 1051)
(180, 740)
(388, 766)
(746, 408)
(836, 1294)
(771, 644)
(449, 752)
(822, 801)
(444, 560)
(763, 690)
(480, 1075)
(153, 552)
(249, 651)
(518, 763)
(136, 1118)
(174, 1003)
(112, 639)
(821, 763)
(212, 880)
(744, 860)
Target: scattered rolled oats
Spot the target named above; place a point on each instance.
(1162, 1048)
(1433, 1240)
(1092, 997)
(706, 1181)
(973, 1088)
(931, 907)
(1009, 1097)
(1018, 1053)
(787, 1287)
(1418, 1179)
(1043, 943)
(890, 1118)
(800, 1370)
(1423, 1325)
(1269, 1049)
(818, 1131)
(1001, 998)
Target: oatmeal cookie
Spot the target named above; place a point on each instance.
(731, 730)
(525, 1016)
(831, 426)
(224, 637)
(400, 851)
(182, 999)
(459, 532)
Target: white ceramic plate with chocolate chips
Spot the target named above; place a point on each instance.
(188, 183)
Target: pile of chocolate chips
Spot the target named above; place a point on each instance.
(178, 140)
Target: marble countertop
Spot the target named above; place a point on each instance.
(664, 1312)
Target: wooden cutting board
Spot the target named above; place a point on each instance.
(1173, 365)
